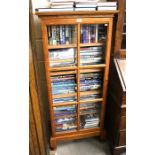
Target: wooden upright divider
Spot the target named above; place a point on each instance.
(76, 19)
(78, 74)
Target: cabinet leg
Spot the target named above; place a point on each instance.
(119, 150)
(102, 136)
(53, 144)
(53, 152)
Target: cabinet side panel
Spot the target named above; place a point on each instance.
(47, 69)
(106, 72)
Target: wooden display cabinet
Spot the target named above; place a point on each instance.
(75, 24)
(115, 120)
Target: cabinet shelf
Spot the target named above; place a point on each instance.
(63, 68)
(64, 95)
(66, 132)
(74, 103)
(90, 92)
(93, 66)
(74, 94)
(90, 129)
(75, 67)
(62, 73)
(54, 73)
(91, 70)
(61, 46)
(64, 104)
(92, 100)
(70, 13)
(90, 44)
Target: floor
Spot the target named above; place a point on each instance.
(89, 146)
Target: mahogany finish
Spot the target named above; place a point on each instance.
(116, 112)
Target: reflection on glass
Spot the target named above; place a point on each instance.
(91, 96)
(65, 124)
(63, 84)
(61, 34)
(123, 46)
(64, 99)
(92, 55)
(90, 115)
(65, 118)
(93, 33)
(124, 28)
(62, 57)
(90, 81)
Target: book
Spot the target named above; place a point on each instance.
(66, 99)
(71, 40)
(90, 81)
(96, 36)
(92, 33)
(84, 34)
(69, 1)
(57, 35)
(106, 3)
(49, 32)
(54, 9)
(61, 53)
(85, 9)
(85, 4)
(54, 41)
(63, 85)
(64, 120)
(67, 34)
(61, 40)
(59, 57)
(91, 55)
(107, 8)
(89, 33)
(89, 120)
(73, 34)
(62, 4)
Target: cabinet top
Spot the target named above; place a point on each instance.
(69, 13)
(120, 65)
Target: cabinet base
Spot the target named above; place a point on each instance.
(77, 135)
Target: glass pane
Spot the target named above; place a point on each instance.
(64, 99)
(91, 81)
(124, 28)
(91, 96)
(90, 115)
(93, 33)
(123, 46)
(125, 17)
(63, 84)
(62, 57)
(92, 55)
(65, 118)
(61, 34)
